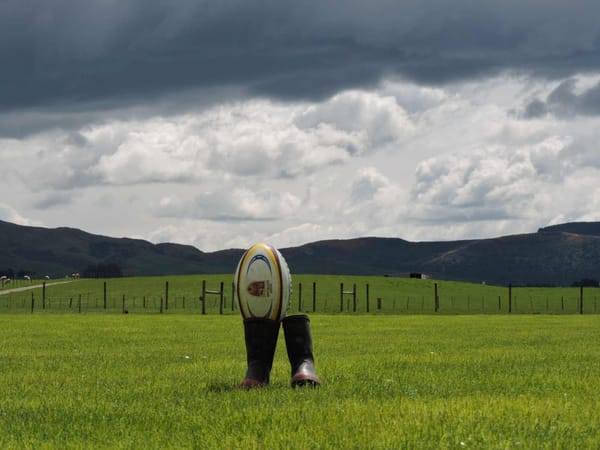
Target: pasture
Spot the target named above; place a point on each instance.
(311, 293)
(389, 381)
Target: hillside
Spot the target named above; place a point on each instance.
(60, 251)
(543, 258)
(557, 255)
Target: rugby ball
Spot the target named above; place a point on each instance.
(263, 283)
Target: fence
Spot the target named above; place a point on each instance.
(374, 297)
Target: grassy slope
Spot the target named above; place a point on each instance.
(149, 381)
(399, 295)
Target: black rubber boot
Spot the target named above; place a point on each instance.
(298, 342)
(261, 340)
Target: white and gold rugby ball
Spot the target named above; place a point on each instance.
(263, 283)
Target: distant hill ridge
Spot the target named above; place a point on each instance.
(586, 228)
(555, 255)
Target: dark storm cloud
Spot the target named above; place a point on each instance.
(564, 101)
(68, 51)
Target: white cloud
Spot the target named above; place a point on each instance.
(233, 204)
(252, 138)
(411, 97)
(502, 189)
(256, 138)
(373, 119)
(415, 162)
(157, 150)
(309, 232)
(51, 199)
(583, 152)
(375, 202)
(259, 138)
(10, 214)
(493, 181)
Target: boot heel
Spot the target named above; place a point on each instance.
(298, 342)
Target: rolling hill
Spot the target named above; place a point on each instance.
(555, 255)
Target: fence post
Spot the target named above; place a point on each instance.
(123, 308)
(167, 295)
(79, 303)
(203, 298)
(341, 297)
(436, 300)
(232, 295)
(161, 305)
(44, 295)
(221, 299)
(105, 295)
(354, 297)
(299, 297)
(367, 293)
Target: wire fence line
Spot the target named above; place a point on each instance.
(360, 299)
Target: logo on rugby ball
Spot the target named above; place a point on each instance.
(263, 283)
(260, 288)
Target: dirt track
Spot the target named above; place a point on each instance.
(33, 286)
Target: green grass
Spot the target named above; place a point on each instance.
(391, 294)
(389, 381)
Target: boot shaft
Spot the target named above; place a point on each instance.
(261, 340)
(298, 342)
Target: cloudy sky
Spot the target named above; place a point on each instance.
(222, 123)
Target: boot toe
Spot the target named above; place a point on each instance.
(249, 383)
(305, 379)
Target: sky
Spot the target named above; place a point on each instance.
(219, 124)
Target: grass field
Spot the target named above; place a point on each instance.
(390, 381)
(311, 293)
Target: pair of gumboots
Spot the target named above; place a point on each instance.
(263, 287)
